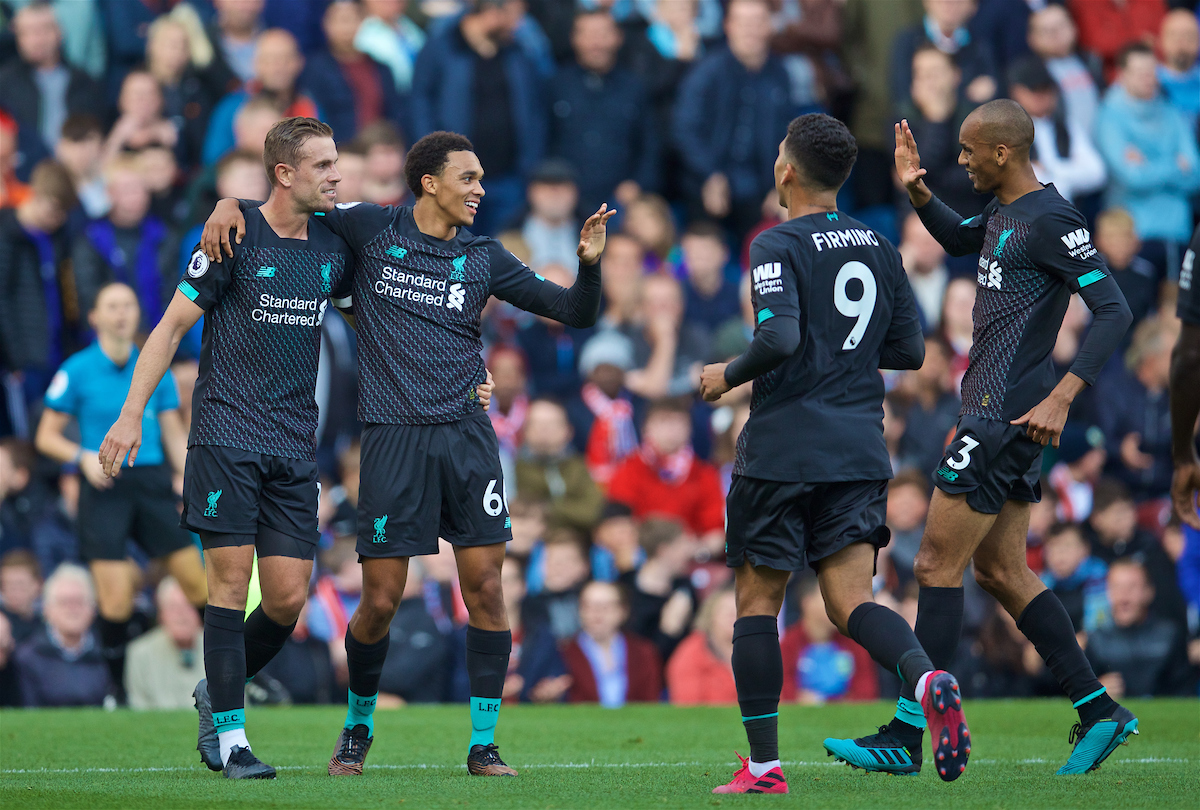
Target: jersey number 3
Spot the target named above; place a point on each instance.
(863, 308)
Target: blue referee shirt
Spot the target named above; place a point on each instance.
(92, 388)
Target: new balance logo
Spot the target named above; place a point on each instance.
(213, 497)
(266, 272)
(396, 252)
(1076, 238)
(768, 278)
(456, 297)
(948, 474)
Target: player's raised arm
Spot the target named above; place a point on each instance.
(125, 436)
(960, 237)
(578, 306)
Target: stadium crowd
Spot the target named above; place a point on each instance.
(123, 121)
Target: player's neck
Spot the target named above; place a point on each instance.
(430, 220)
(1023, 182)
(284, 219)
(802, 202)
(115, 348)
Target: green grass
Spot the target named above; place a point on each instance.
(582, 757)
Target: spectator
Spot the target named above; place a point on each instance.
(164, 664)
(615, 549)
(12, 191)
(277, 66)
(662, 599)
(1152, 157)
(810, 33)
(350, 88)
(1009, 665)
(1136, 417)
(390, 37)
(550, 227)
(37, 88)
(700, 673)
(473, 79)
(602, 414)
(303, 667)
(711, 298)
(551, 471)
(944, 26)
(130, 245)
(933, 411)
(1076, 577)
(1081, 458)
(925, 262)
(553, 349)
(1117, 240)
(20, 589)
(648, 220)
(417, 651)
(254, 120)
(10, 684)
(667, 352)
(80, 150)
(601, 120)
(511, 397)
(334, 600)
(1140, 654)
(234, 35)
(83, 30)
(528, 528)
(665, 478)
(564, 564)
(173, 57)
(1106, 27)
(607, 665)
(39, 311)
(1062, 152)
(383, 179)
(935, 112)
(61, 665)
(819, 663)
(907, 507)
(1053, 38)
(1179, 73)
(622, 283)
(958, 325)
(1113, 534)
(140, 121)
(352, 166)
(536, 673)
(731, 108)
(31, 521)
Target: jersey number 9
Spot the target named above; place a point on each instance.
(863, 308)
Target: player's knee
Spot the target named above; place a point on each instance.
(284, 608)
(379, 606)
(485, 595)
(992, 580)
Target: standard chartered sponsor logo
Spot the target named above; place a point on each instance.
(289, 311)
(415, 287)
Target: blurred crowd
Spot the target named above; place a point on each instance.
(123, 121)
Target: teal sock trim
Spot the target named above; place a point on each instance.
(249, 679)
(1092, 696)
(228, 721)
(760, 717)
(485, 713)
(361, 711)
(910, 712)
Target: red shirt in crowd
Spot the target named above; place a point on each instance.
(696, 501)
(1107, 26)
(643, 667)
(696, 677)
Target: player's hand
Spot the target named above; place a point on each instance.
(125, 436)
(1132, 455)
(215, 237)
(484, 390)
(1185, 484)
(89, 468)
(1044, 422)
(593, 234)
(712, 382)
(908, 165)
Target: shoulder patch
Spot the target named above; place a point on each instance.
(58, 385)
(198, 264)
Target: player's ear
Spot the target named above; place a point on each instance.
(429, 182)
(1001, 153)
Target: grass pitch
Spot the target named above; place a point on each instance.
(582, 757)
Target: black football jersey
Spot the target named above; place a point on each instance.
(1188, 306)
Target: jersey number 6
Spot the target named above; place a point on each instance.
(863, 308)
(493, 502)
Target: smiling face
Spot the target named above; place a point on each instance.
(313, 183)
(458, 189)
(978, 157)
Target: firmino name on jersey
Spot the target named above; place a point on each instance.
(295, 311)
(852, 237)
(416, 289)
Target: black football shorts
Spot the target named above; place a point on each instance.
(790, 526)
(229, 491)
(992, 462)
(140, 505)
(421, 482)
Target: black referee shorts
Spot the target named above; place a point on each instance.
(229, 491)
(992, 462)
(139, 505)
(790, 526)
(421, 482)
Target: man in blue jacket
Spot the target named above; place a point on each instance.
(471, 78)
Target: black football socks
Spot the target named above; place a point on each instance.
(225, 668)
(1046, 623)
(487, 666)
(113, 638)
(365, 662)
(890, 641)
(264, 640)
(758, 673)
(939, 625)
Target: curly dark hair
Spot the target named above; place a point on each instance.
(822, 148)
(430, 156)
